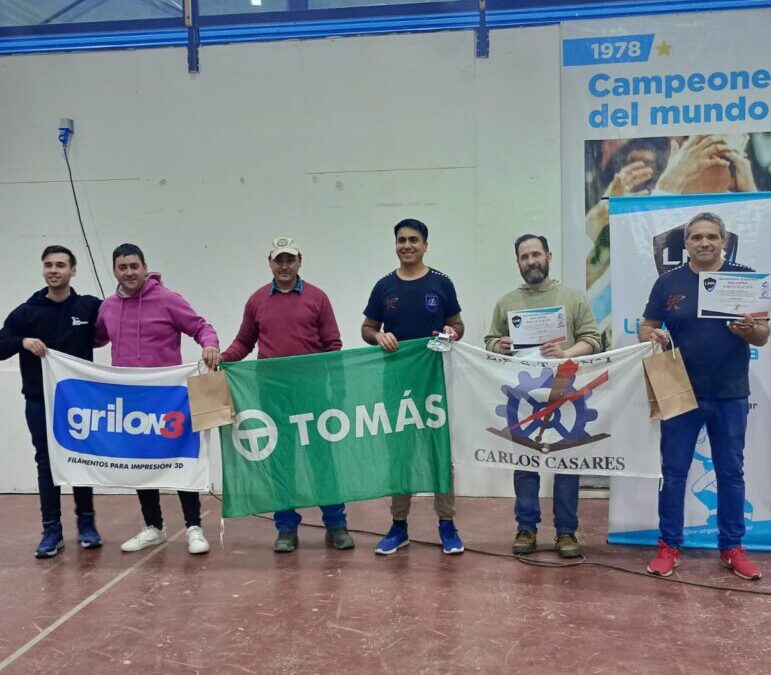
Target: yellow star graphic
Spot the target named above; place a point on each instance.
(664, 48)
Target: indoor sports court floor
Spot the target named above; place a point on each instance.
(243, 609)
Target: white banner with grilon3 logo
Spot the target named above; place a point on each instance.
(122, 427)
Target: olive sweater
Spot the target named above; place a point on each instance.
(581, 325)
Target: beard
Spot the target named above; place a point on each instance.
(536, 274)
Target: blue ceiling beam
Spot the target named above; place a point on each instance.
(270, 26)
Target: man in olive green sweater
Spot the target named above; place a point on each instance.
(583, 337)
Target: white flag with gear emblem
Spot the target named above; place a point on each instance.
(587, 415)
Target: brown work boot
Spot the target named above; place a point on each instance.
(524, 542)
(567, 546)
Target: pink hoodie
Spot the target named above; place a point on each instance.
(145, 329)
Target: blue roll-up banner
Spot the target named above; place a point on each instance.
(646, 236)
(662, 106)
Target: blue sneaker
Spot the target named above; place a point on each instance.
(52, 540)
(87, 532)
(396, 538)
(451, 542)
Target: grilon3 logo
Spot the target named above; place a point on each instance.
(124, 421)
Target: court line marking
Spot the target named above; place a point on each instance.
(85, 603)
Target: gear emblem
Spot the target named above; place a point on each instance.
(532, 395)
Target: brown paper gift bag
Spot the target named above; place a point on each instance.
(669, 388)
(210, 402)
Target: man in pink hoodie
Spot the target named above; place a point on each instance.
(144, 321)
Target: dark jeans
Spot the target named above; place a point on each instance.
(150, 500)
(50, 494)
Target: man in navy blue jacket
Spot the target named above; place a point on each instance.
(59, 318)
(716, 355)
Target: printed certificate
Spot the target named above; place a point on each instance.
(532, 327)
(729, 295)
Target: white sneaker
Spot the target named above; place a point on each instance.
(149, 536)
(196, 542)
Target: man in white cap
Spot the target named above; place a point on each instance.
(290, 317)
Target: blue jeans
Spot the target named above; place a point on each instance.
(333, 516)
(527, 507)
(50, 494)
(726, 421)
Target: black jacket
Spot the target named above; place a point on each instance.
(65, 326)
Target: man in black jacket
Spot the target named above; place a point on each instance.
(55, 317)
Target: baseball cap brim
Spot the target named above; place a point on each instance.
(284, 249)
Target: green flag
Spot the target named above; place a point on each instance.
(335, 427)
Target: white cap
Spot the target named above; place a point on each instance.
(283, 245)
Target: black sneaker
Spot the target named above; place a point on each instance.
(340, 538)
(286, 542)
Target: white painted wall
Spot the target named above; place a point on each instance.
(330, 141)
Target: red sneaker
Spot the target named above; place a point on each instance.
(665, 561)
(736, 561)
